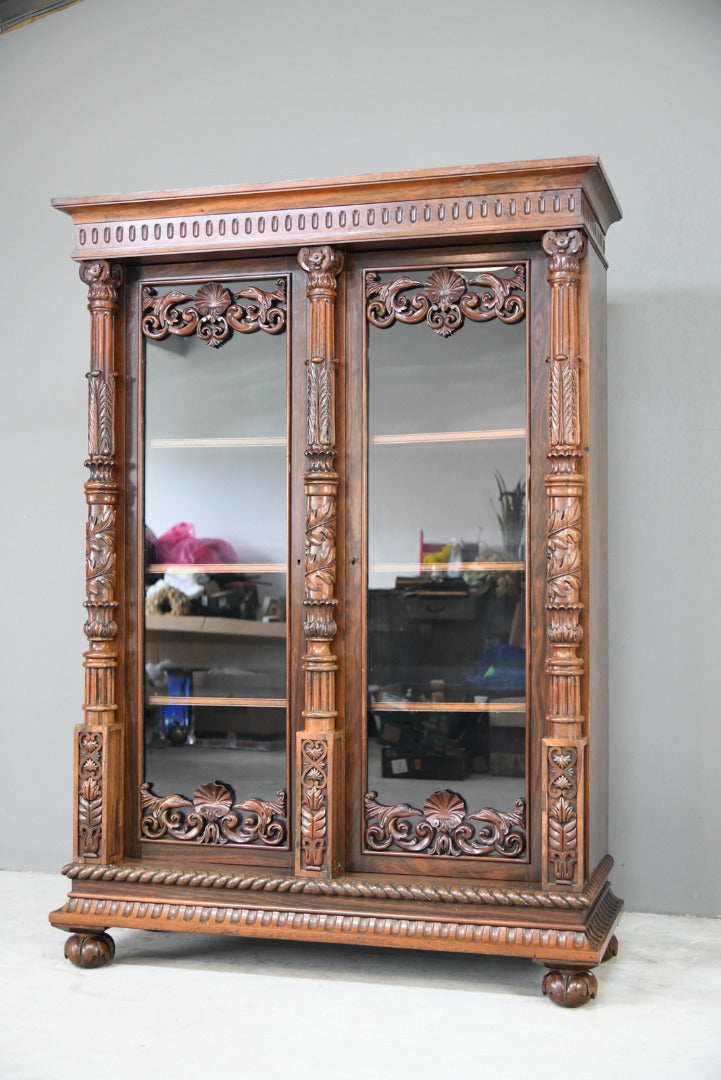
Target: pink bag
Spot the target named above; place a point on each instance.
(180, 545)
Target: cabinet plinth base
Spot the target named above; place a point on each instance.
(90, 950)
(570, 933)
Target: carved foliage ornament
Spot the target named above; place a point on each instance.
(321, 404)
(564, 554)
(100, 552)
(562, 811)
(447, 300)
(213, 817)
(101, 413)
(90, 794)
(445, 828)
(214, 312)
(314, 802)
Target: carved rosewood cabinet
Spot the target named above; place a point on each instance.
(346, 666)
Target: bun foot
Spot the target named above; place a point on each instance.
(611, 950)
(90, 950)
(570, 988)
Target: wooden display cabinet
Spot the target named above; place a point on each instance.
(382, 399)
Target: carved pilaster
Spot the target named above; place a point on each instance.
(101, 491)
(317, 847)
(563, 846)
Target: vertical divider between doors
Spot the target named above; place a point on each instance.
(320, 764)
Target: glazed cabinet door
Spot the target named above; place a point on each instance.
(210, 536)
(440, 519)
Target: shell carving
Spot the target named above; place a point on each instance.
(444, 810)
(212, 300)
(444, 288)
(212, 800)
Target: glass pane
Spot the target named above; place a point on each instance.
(446, 567)
(216, 468)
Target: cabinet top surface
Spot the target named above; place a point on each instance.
(462, 201)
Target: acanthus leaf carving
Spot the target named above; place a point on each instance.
(101, 413)
(213, 816)
(100, 553)
(564, 553)
(445, 827)
(215, 312)
(564, 249)
(321, 407)
(103, 280)
(320, 556)
(322, 264)
(447, 299)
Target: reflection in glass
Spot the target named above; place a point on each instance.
(215, 487)
(446, 568)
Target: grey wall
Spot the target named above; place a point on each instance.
(106, 97)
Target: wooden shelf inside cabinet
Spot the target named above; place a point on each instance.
(223, 702)
(215, 625)
(350, 318)
(444, 567)
(216, 568)
(252, 442)
(430, 437)
(449, 706)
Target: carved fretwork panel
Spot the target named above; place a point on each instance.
(563, 785)
(444, 827)
(213, 816)
(214, 312)
(447, 299)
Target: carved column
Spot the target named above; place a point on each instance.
(320, 744)
(564, 746)
(99, 740)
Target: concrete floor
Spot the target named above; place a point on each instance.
(198, 1007)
